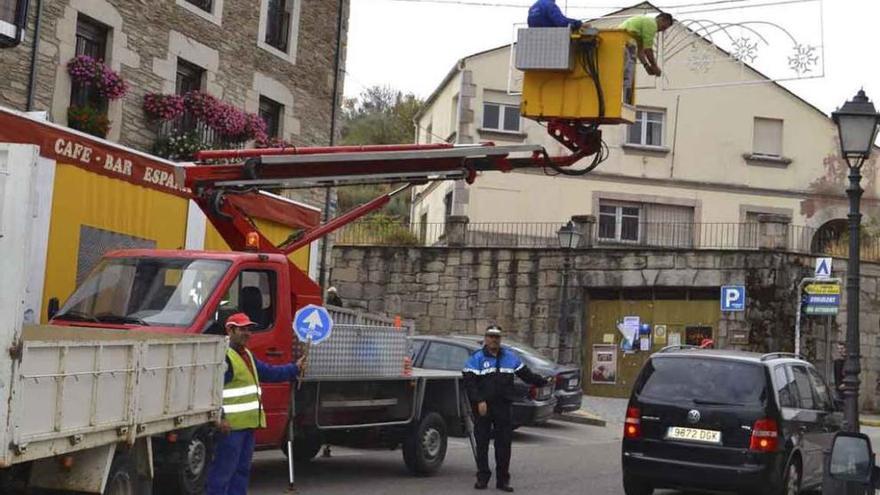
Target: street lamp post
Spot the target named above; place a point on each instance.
(569, 238)
(857, 123)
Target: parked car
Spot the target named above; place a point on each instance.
(567, 388)
(727, 421)
(536, 404)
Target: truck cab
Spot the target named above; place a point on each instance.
(193, 292)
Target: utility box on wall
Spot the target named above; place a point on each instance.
(558, 85)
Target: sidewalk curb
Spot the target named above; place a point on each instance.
(870, 422)
(583, 418)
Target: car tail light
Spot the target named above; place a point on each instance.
(632, 426)
(765, 436)
(560, 381)
(533, 392)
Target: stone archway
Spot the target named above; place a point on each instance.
(830, 238)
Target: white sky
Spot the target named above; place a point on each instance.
(410, 45)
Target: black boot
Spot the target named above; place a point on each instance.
(481, 485)
(505, 488)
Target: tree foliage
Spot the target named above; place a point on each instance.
(380, 115)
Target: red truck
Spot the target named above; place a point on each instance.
(180, 291)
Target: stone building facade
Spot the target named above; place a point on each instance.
(228, 43)
(460, 290)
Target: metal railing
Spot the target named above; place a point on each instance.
(538, 234)
(664, 235)
(344, 316)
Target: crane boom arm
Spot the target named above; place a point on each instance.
(214, 180)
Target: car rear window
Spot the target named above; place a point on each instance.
(702, 381)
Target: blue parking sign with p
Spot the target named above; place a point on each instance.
(733, 298)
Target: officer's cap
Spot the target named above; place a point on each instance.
(493, 330)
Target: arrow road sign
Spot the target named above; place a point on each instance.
(312, 324)
(822, 289)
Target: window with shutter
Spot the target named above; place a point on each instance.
(767, 137)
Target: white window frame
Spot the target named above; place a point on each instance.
(215, 16)
(293, 40)
(643, 111)
(500, 123)
(8, 30)
(618, 222)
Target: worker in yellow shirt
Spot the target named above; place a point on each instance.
(643, 28)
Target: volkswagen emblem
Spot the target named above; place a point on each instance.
(693, 416)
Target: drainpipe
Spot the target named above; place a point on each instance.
(322, 276)
(32, 79)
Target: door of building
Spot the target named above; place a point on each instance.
(674, 316)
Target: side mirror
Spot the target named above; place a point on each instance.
(52, 308)
(852, 459)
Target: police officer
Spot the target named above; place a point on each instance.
(488, 379)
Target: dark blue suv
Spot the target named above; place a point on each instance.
(727, 421)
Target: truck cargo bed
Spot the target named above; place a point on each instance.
(77, 388)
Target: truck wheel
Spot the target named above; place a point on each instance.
(123, 477)
(188, 476)
(305, 446)
(424, 447)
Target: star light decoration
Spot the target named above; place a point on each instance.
(803, 59)
(700, 59)
(744, 50)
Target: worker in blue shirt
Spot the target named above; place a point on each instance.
(488, 380)
(243, 412)
(545, 13)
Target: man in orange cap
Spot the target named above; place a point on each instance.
(243, 413)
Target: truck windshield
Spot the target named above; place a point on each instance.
(145, 291)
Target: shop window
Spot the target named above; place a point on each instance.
(694, 335)
(94, 242)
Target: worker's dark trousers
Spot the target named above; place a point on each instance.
(498, 418)
(230, 469)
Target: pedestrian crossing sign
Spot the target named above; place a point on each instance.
(823, 267)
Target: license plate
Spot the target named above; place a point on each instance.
(693, 435)
(573, 382)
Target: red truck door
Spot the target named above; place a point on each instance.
(255, 291)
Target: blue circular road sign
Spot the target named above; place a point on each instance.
(312, 324)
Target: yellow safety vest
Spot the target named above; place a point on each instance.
(242, 404)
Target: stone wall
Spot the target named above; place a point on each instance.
(462, 290)
(147, 37)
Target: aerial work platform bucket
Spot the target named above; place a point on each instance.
(587, 75)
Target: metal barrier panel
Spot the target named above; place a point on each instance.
(342, 316)
(360, 350)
